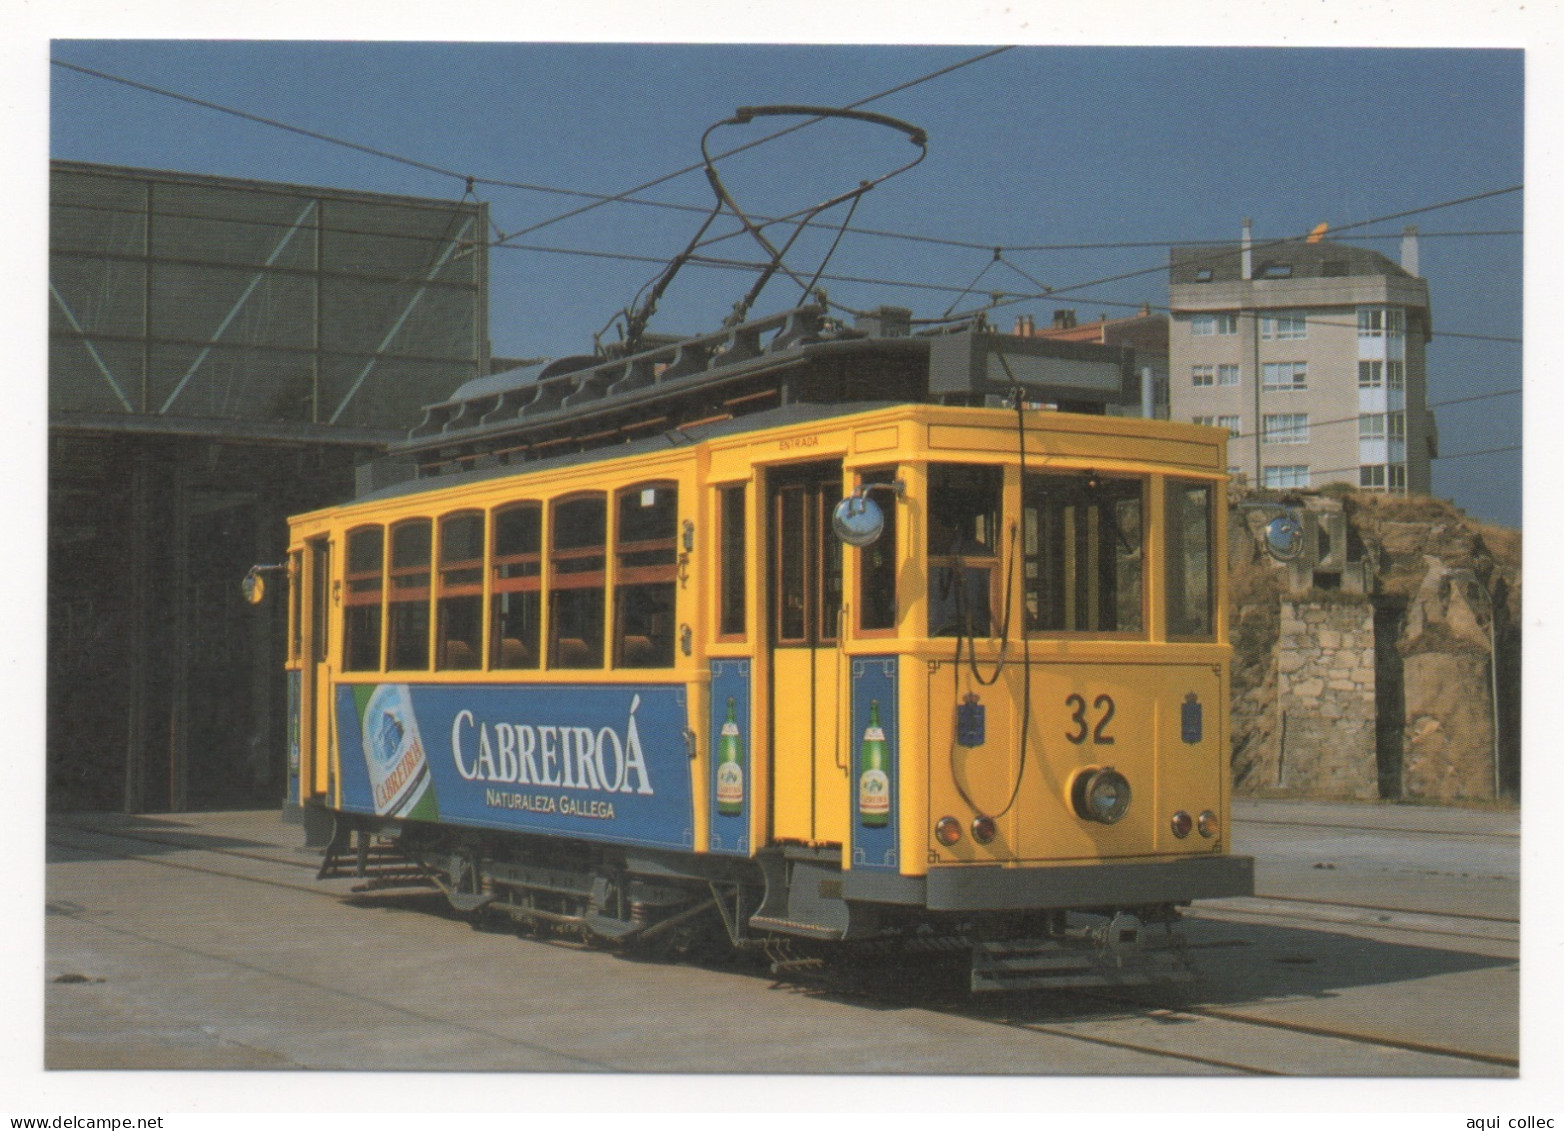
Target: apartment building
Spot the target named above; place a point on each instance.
(1313, 354)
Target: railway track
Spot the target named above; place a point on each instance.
(1185, 1036)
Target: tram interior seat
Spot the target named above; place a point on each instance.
(459, 655)
(636, 652)
(572, 652)
(515, 654)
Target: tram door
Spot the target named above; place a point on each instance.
(810, 761)
(315, 698)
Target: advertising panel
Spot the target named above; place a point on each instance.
(603, 763)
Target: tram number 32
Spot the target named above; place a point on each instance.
(1103, 707)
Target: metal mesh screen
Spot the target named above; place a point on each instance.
(193, 297)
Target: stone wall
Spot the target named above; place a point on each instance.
(1381, 688)
(1326, 695)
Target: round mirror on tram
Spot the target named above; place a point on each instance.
(858, 520)
(254, 587)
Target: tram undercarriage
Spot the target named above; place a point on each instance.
(790, 908)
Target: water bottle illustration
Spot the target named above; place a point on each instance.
(874, 783)
(730, 768)
(399, 777)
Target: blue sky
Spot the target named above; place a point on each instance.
(1029, 149)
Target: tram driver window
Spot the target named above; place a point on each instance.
(965, 504)
(877, 566)
(1190, 561)
(1083, 553)
(646, 578)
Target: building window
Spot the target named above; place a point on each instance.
(1205, 325)
(1227, 375)
(1396, 374)
(1204, 274)
(1202, 376)
(1398, 477)
(1285, 427)
(1283, 325)
(1286, 376)
(1371, 426)
(1285, 475)
(1381, 322)
(1233, 424)
(1275, 271)
(1371, 374)
(1372, 476)
(1396, 423)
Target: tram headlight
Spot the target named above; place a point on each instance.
(948, 831)
(1182, 823)
(984, 829)
(1208, 824)
(1100, 793)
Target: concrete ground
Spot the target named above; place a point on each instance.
(158, 963)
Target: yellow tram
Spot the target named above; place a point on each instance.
(709, 645)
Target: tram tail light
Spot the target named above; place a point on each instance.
(1208, 824)
(984, 829)
(947, 831)
(1181, 824)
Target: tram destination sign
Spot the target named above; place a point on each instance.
(598, 762)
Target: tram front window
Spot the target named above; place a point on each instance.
(1190, 561)
(1084, 568)
(965, 504)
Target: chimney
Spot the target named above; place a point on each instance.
(1246, 251)
(1026, 327)
(1409, 249)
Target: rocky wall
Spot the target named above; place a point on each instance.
(1325, 686)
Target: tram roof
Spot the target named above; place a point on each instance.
(669, 440)
(799, 355)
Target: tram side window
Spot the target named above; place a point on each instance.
(1190, 561)
(1084, 554)
(877, 567)
(407, 638)
(965, 503)
(577, 557)
(517, 589)
(733, 556)
(460, 609)
(361, 612)
(646, 560)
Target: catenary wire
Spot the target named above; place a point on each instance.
(627, 198)
(164, 213)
